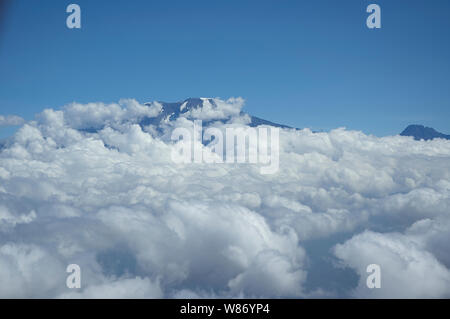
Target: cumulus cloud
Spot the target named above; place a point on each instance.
(98, 115)
(216, 109)
(408, 270)
(87, 184)
(11, 120)
(8, 219)
(22, 266)
(137, 288)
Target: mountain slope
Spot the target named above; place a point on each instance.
(420, 132)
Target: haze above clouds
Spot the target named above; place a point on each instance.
(112, 201)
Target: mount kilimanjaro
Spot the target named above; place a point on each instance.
(194, 108)
(171, 111)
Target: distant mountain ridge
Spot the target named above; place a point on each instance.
(420, 132)
(192, 108)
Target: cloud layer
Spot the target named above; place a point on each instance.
(11, 120)
(88, 185)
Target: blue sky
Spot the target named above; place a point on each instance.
(301, 63)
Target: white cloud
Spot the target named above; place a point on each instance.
(11, 120)
(113, 202)
(7, 219)
(97, 115)
(216, 110)
(137, 288)
(407, 269)
(29, 271)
